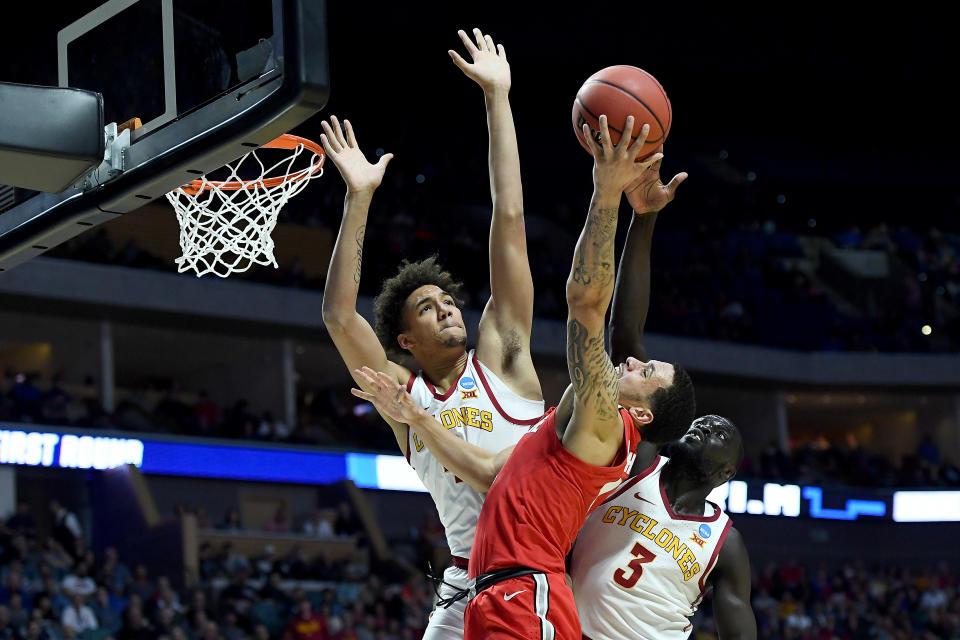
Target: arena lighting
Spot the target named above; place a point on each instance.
(261, 462)
(926, 506)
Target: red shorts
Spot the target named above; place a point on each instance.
(533, 607)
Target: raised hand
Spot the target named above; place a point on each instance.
(389, 397)
(343, 151)
(490, 68)
(648, 194)
(615, 167)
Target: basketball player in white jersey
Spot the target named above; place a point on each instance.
(490, 396)
(646, 557)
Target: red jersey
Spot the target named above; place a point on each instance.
(541, 498)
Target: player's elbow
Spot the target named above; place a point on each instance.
(585, 297)
(335, 317)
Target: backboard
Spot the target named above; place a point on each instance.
(208, 81)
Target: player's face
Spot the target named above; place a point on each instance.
(639, 380)
(433, 319)
(712, 443)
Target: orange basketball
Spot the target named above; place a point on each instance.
(618, 92)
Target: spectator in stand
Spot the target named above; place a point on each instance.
(238, 596)
(280, 521)
(273, 590)
(318, 525)
(927, 450)
(306, 624)
(13, 586)
(27, 398)
(207, 414)
(347, 522)
(135, 626)
(113, 573)
(7, 630)
(54, 596)
(271, 428)
(79, 583)
(66, 528)
(107, 616)
(22, 521)
(141, 584)
(231, 520)
(35, 631)
(77, 616)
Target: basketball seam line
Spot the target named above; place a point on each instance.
(645, 105)
(596, 117)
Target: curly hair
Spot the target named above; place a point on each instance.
(673, 408)
(388, 305)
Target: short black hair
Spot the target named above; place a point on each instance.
(673, 408)
(388, 305)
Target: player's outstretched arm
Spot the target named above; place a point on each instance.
(595, 431)
(731, 591)
(475, 466)
(631, 294)
(504, 341)
(351, 333)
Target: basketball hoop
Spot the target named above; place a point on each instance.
(225, 226)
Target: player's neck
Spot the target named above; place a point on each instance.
(443, 368)
(687, 494)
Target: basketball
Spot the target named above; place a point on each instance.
(618, 92)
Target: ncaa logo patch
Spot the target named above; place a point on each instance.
(467, 383)
(705, 531)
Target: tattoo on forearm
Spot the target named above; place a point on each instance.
(592, 374)
(356, 273)
(593, 262)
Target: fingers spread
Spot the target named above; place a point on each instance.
(362, 394)
(338, 131)
(624, 145)
(605, 143)
(481, 43)
(471, 48)
(335, 146)
(351, 138)
(637, 145)
(591, 143)
(458, 60)
(676, 182)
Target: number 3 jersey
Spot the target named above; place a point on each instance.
(478, 408)
(639, 569)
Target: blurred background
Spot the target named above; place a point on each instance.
(807, 275)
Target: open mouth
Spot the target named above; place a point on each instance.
(696, 434)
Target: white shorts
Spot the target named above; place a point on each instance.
(447, 624)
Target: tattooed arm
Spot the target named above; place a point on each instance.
(351, 333)
(594, 432)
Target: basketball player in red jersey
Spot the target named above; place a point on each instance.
(490, 396)
(579, 452)
(646, 585)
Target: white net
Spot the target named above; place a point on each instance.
(225, 226)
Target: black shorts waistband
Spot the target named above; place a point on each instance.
(487, 580)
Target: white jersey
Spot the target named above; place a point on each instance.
(482, 410)
(639, 569)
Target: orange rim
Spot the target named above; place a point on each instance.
(286, 141)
